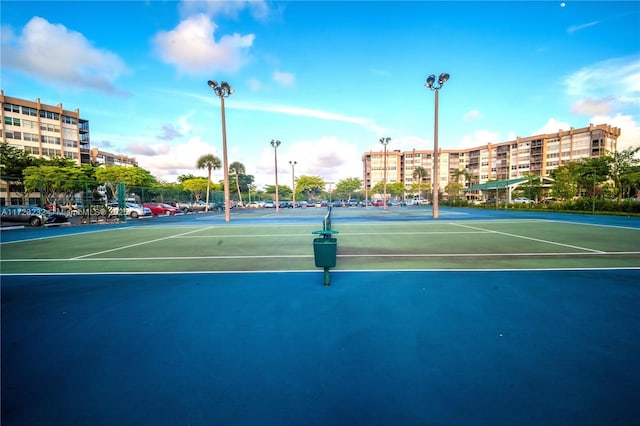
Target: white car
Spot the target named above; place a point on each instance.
(132, 210)
(522, 200)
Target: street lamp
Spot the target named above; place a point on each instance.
(275, 144)
(293, 180)
(436, 88)
(223, 91)
(385, 142)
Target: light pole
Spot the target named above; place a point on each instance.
(436, 88)
(275, 144)
(223, 91)
(385, 142)
(293, 181)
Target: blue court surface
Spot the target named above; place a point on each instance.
(377, 347)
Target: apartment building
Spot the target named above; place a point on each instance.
(49, 131)
(45, 130)
(109, 159)
(533, 155)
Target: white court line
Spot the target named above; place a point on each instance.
(303, 256)
(531, 238)
(139, 244)
(315, 271)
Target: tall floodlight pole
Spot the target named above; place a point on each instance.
(293, 181)
(385, 142)
(223, 91)
(436, 170)
(275, 144)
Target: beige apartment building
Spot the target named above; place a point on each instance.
(45, 130)
(49, 131)
(533, 155)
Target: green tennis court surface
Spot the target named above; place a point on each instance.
(481, 317)
(362, 245)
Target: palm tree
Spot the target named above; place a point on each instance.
(419, 173)
(209, 162)
(237, 169)
(457, 174)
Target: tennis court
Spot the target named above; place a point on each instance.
(482, 317)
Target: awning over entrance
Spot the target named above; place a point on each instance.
(498, 184)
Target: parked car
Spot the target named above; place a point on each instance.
(549, 200)
(378, 203)
(522, 200)
(161, 209)
(132, 210)
(269, 205)
(352, 203)
(32, 215)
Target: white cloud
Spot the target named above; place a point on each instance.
(286, 79)
(552, 126)
(588, 106)
(167, 162)
(479, 138)
(472, 115)
(254, 84)
(617, 81)
(327, 157)
(258, 8)
(191, 47)
(306, 112)
(53, 53)
(575, 28)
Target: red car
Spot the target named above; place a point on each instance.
(158, 209)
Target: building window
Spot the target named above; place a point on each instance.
(11, 121)
(49, 115)
(29, 111)
(11, 108)
(69, 120)
(45, 127)
(13, 135)
(30, 137)
(29, 124)
(51, 140)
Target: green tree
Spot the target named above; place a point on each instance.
(52, 181)
(13, 161)
(182, 178)
(454, 189)
(565, 181)
(209, 162)
(236, 169)
(396, 189)
(197, 186)
(419, 175)
(311, 185)
(591, 173)
(533, 186)
(111, 176)
(283, 191)
(348, 186)
(622, 168)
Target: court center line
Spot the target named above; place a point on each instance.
(140, 243)
(530, 238)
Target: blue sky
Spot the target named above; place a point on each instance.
(326, 78)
